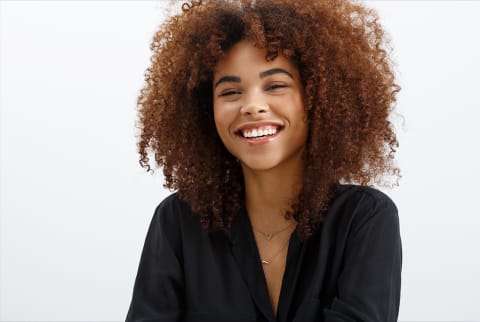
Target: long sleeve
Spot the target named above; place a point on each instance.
(369, 283)
(349, 270)
(158, 292)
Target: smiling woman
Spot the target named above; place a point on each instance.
(269, 127)
(259, 111)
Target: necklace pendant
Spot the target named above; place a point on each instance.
(268, 236)
(265, 262)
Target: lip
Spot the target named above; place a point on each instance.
(255, 125)
(264, 140)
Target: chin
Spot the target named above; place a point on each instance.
(258, 165)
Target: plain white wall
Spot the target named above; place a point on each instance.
(75, 205)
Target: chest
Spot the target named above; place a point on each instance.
(274, 276)
(273, 255)
(240, 288)
(225, 281)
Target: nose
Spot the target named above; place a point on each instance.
(254, 104)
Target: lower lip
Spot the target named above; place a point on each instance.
(264, 140)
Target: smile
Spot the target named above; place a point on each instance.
(259, 133)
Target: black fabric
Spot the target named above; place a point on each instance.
(349, 270)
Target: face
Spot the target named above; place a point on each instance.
(258, 108)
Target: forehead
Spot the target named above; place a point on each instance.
(244, 57)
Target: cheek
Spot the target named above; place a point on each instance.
(220, 118)
(302, 122)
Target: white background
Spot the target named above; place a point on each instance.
(75, 204)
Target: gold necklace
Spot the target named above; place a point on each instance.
(269, 236)
(267, 261)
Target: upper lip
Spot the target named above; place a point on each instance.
(255, 125)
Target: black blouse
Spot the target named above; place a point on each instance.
(349, 270)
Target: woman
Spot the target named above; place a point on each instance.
(260, 113)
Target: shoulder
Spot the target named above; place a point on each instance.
(367, 194)
(171, 209)
(175, 214)
(363, 197)
(174, 211)
(172, 218)
(356, 206)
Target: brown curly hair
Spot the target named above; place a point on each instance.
(342, 56)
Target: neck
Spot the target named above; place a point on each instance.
(270, 193)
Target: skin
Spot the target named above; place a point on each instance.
(250, 92)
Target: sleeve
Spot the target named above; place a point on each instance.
(369, 283)
(158, 290)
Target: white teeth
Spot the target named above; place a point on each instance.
(259, 132)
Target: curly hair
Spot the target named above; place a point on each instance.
(343, 59)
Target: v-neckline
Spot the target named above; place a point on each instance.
(245, 251)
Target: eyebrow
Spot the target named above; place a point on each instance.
(269, 72)
(275, 71)
(226, 79)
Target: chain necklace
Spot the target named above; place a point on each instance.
(267, 261)
(269, 236)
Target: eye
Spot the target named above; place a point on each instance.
(276, 86)
(229, 93)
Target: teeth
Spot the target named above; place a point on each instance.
(259, 132)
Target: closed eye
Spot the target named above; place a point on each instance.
(229, 93)
(276, 87)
